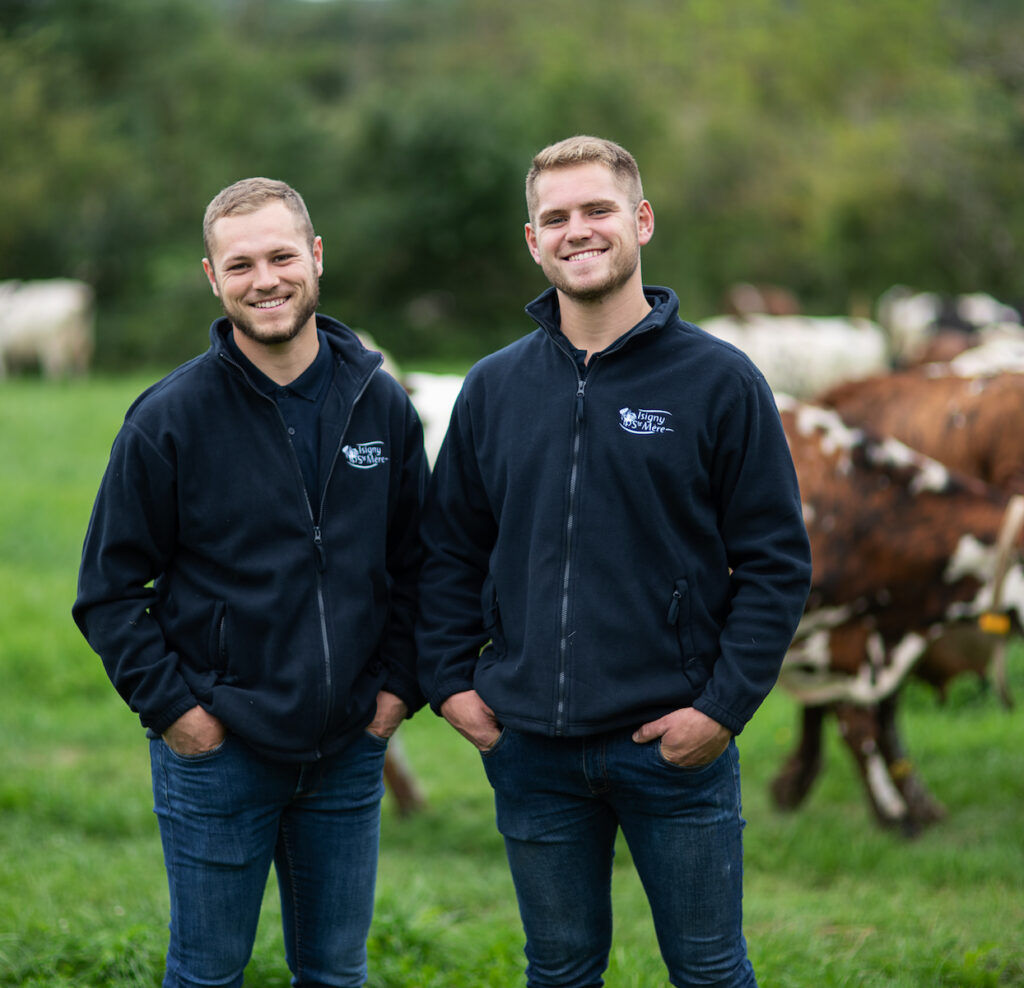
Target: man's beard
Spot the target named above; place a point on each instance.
(267, 337)
(617, 277)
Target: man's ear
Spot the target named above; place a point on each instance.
(531, 242)
(644, 222)
(211, 277)
(318, 256)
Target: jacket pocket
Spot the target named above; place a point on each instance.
(492, 618)
(218, 643)
(680, 614)
(679, 609)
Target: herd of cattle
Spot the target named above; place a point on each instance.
(907, 438)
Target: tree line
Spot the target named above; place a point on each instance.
(830, 147)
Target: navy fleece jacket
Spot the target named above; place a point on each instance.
(204, 579)
(604, 548)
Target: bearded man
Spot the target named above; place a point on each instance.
(249, 580)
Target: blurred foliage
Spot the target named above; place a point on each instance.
(834, 148)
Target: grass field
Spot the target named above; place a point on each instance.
(830, 899)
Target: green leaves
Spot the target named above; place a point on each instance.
(835, 148)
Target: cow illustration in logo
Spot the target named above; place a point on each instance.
(628, 419)
(365, 456)
(644, 421)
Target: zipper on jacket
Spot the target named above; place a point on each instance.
(318, 542)
(321, 553)
(325, 641)
(570, 524)
(321, 558)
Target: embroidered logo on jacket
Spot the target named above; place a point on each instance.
(644, 421)
(365, 456)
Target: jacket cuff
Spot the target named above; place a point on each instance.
(159, 723)
(719, 714)
(449, 687)
(406, 690)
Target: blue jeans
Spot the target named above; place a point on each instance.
(226, 815)
(560, 803)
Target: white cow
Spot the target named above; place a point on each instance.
(804, 355)
(433, 396)
(49, 324)
(917, 321)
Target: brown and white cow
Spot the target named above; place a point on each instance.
(962, 414)
(964, 419)
(903, 549)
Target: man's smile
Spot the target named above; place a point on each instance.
(586, 255)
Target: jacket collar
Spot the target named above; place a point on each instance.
(359, 361)
(545, 312)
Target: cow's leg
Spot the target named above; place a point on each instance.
(922, 807)
(790, 787)
(400, 780)
(860, 728)
(999, 673)
(897, 795)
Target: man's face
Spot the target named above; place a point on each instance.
(264, 273)
(585, 234)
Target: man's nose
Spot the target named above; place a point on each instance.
(578, 227)
(264, 276)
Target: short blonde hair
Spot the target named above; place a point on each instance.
(584, 150)
(248, 195)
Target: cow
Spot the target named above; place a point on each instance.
(47, 324)
(960, 419)
(433, 396)
(803, 355)
(400, 779)
(745, 299)
(957, 413)
(929, 326)
(903, 549)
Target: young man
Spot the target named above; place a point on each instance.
(249, 579)
(614, 520)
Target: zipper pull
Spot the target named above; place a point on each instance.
(581, 385)
(673, 608)
(321, 553)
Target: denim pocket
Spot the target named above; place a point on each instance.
(486, 753)
(201, 756)
(383, 742)
(686, 769)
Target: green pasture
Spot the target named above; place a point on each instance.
(831, 900)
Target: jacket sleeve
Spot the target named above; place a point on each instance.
(128, 544)
(459, 533)
(761, 523)
(404, 558)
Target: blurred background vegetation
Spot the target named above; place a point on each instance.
(831, 147)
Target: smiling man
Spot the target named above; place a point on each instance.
(616, 564)
(249, 580)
